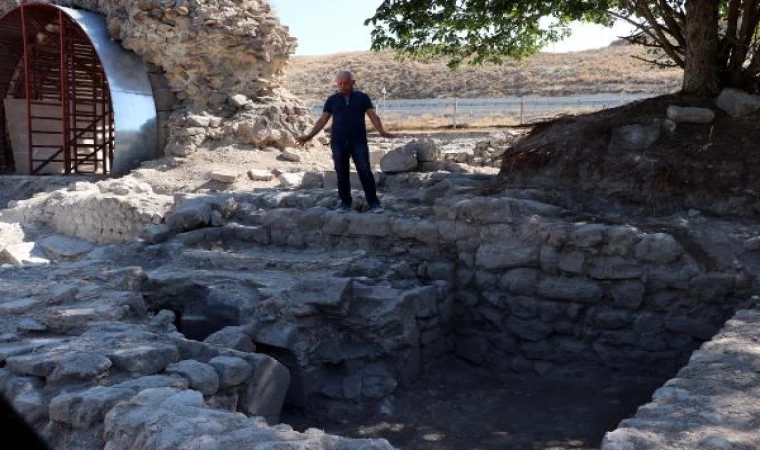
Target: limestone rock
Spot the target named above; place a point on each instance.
(27, 253)
(658, 247)
(239, 100)
(145, 359)
(202, 377)
(425, 149)
(402, 159)
(85, 408)
(507, 256)
(294, 179)
(232, 371)
(10, 234)
(290, 155)
(64, 248)
(690, 115)
(260, 175)
(232, 337)
(223, 177)
(737, 103)
(78, 366)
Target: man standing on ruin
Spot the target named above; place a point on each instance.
(348, 139)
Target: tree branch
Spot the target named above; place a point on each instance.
(643, 8)
(675, 28)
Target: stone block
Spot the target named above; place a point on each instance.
(570, 289)
(20, 306)
(202, 377)
(442, 270)
(153, 382)
(260, 175)
(531, 330)
(659, 248)
(291, 179)
(612, 318)
(312, 180)
(680, 114)
(223, 177)
(144, 359)
(628, 294)
(522, 307)
(36, 364)
(290, 155)
(737, 103)
(549, 259)
(232, 371)
(412, 228)
(507, 256)
(520, 281)
(155, 234)
(188, 215)
(79, 366)
(614, 268)
(370, 225)
(24, 254)
(235, 338)
(239, 100)
(266, 389)
(402, 159)
(64, 248)
(588, 235)
(572, 262)
(621, 240)
(86, 408)
(425, 300)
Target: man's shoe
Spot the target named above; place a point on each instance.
(344, 209)
(377, 209)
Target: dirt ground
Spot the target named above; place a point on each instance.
(457, 406)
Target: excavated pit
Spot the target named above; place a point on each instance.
(509, 382)
(453, 306)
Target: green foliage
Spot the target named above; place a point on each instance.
(478, 31)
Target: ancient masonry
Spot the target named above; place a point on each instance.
(131, 319)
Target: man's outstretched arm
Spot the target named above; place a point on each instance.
(321, 122)
(375, 119)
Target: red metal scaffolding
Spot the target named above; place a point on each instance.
(47, 59)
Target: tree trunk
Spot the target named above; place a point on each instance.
(700, 75)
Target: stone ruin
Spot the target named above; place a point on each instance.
(216, 68)
(135, 319)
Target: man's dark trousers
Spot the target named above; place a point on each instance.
(359, 152)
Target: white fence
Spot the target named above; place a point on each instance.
(522, 109)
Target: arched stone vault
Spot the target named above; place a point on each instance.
(219, 66)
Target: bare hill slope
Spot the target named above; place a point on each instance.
(612, 69)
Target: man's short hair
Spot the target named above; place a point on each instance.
(344, 74)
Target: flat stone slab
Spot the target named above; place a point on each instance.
(27, 253)
(19, 306)
(64, 248)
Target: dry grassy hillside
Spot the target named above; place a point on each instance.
(611, 69)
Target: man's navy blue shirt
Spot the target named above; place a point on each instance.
(348, 117)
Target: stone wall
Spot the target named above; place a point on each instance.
(111, 211)
(710, 404)
(219, 64)
(532, 287)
